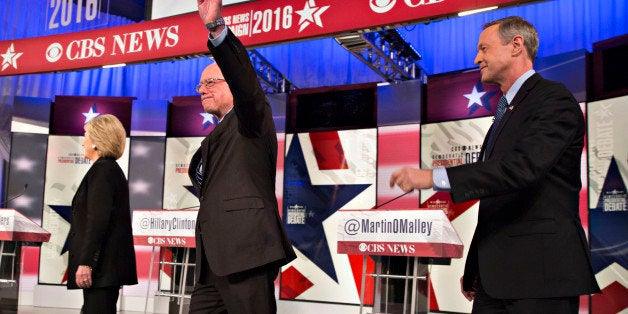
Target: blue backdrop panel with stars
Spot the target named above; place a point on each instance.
(325, 173)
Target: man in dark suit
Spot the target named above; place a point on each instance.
(240, 239)
(529, 253)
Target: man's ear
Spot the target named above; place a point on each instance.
(517, 45)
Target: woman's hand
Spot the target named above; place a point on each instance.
(84, 276)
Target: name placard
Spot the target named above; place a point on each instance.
(423, 232)
(16, 227)
(161, 227)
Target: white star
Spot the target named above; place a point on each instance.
(23, 164)
(207, 117)
(139, 186)
(141, 150)
(10, 58)
(91, 114)
(474, 97)
(23, 201)
(317, 15)
(311, 14)
(306, 13)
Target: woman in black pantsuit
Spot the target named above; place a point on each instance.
(102, 256)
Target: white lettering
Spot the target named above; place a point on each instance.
(176, 241)
(154, 36)
(375, 248)
(68, 52)
(135, 45)
(401, 248)
(420, 2)
(173, 36)
(120, 43)
(240, 29)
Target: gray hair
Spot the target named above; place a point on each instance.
(512, 26)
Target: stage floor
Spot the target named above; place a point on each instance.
(25, 309)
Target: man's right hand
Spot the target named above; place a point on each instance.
(209, 10)
(408, 179)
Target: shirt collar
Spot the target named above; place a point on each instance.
(510, 95)
(224, 115)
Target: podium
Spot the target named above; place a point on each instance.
(171, 229)
(15, 229)
(415, 234)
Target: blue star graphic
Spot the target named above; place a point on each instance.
(208, 120)
(320, 201)
(66, 213)
(191, 189)
(478, 88)
(607, 232)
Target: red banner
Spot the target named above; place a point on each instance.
(256, 23)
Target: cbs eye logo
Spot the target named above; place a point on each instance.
(54, 52)
(382, 6)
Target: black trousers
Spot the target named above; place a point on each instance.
(250, 291)
(100, 300)
(485, 304)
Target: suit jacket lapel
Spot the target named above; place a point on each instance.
(512, 106)
(208, 147)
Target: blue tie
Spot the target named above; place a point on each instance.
(501, 110)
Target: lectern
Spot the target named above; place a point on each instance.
(413, 233)
(15, 229)
(172, 229)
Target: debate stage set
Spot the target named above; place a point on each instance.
(358, 89)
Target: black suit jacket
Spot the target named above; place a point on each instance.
(529, 241)
(100, 233)
(238, 223)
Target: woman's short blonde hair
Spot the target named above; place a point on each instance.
(108, 134)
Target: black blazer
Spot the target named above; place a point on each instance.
(238, 221)
(100, 232)
(529, 241)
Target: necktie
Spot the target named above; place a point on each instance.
(499, 114)
(501, 109)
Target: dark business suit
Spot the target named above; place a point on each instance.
(529, 241)
(100, 234)
(238, 225)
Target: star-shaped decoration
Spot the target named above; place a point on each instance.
(141, 150)
(23, 201)
(9, 58)
(480, 97)
(310, 14)
(23, 164)
(608, 220)
(66, 214)
(320, 202)
(208, 119)
(191, 189)
(475, 97)
(139, 186)
(93, 113)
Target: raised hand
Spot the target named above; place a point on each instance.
(209, 10)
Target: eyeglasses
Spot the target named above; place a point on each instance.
(208, 83)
